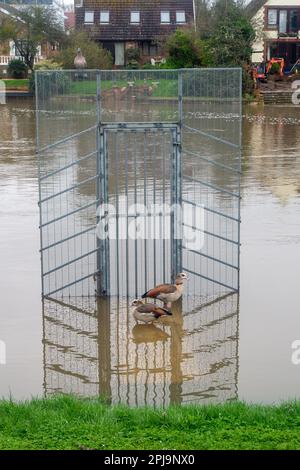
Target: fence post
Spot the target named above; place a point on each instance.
(102, 198)
(179, 169)
(176, 188)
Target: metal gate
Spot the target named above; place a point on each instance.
(112, 140)
(136, 196)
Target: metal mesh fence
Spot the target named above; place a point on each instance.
(143, 137)
(211, 153)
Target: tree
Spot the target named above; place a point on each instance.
(96, 57)
(33, 26)
(233, 34)
(203, 18)
(232, 37)
(223, 38)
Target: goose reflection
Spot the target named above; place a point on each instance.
(148, 334)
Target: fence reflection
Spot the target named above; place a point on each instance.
(98, 349)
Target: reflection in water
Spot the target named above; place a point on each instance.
(148, 334)
(100, 350)
(271, 151)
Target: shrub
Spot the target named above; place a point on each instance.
(48, 65)
(17, 69)
(132, 54)
(96, 57)
(183, 49)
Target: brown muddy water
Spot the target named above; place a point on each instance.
(239, 347)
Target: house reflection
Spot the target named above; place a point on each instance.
(98, 349)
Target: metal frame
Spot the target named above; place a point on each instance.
(103, 259)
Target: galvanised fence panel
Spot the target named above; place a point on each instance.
(119, 152)
(134, 138)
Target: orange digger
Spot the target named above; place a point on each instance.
(275, 60)
(262, 70)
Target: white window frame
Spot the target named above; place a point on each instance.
(180, 12)
(12, 49)
(138, 17)
(105, 14)
(283, 21)
(271, 12)
(162, 13)
(91, 21)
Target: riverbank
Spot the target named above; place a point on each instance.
(70, 423)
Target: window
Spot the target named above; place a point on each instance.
(135, 17)
(283, 21)
(294, 21)
(180, 16)
(89, 17)
(104, 17)
(165, 17)
(78, 3)
(272, 17)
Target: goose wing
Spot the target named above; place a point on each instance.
(152, 308)
(161, 289)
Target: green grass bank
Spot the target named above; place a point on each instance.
(16, 84)
(70, 423)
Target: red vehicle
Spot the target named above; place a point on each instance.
(260, 72)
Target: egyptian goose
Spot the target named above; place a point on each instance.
(168, 293)
(148, 313)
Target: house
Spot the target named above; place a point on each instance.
(8, 51)
(24, 3)
(122, 24)
(69, 21)
(10, 10)
(7, 48)
(277, 24)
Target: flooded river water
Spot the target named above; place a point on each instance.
(240, 347)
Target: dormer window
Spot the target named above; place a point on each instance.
(180, 17)
(165, 17)
(89, 17)
(104, 17)
(135, 17)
